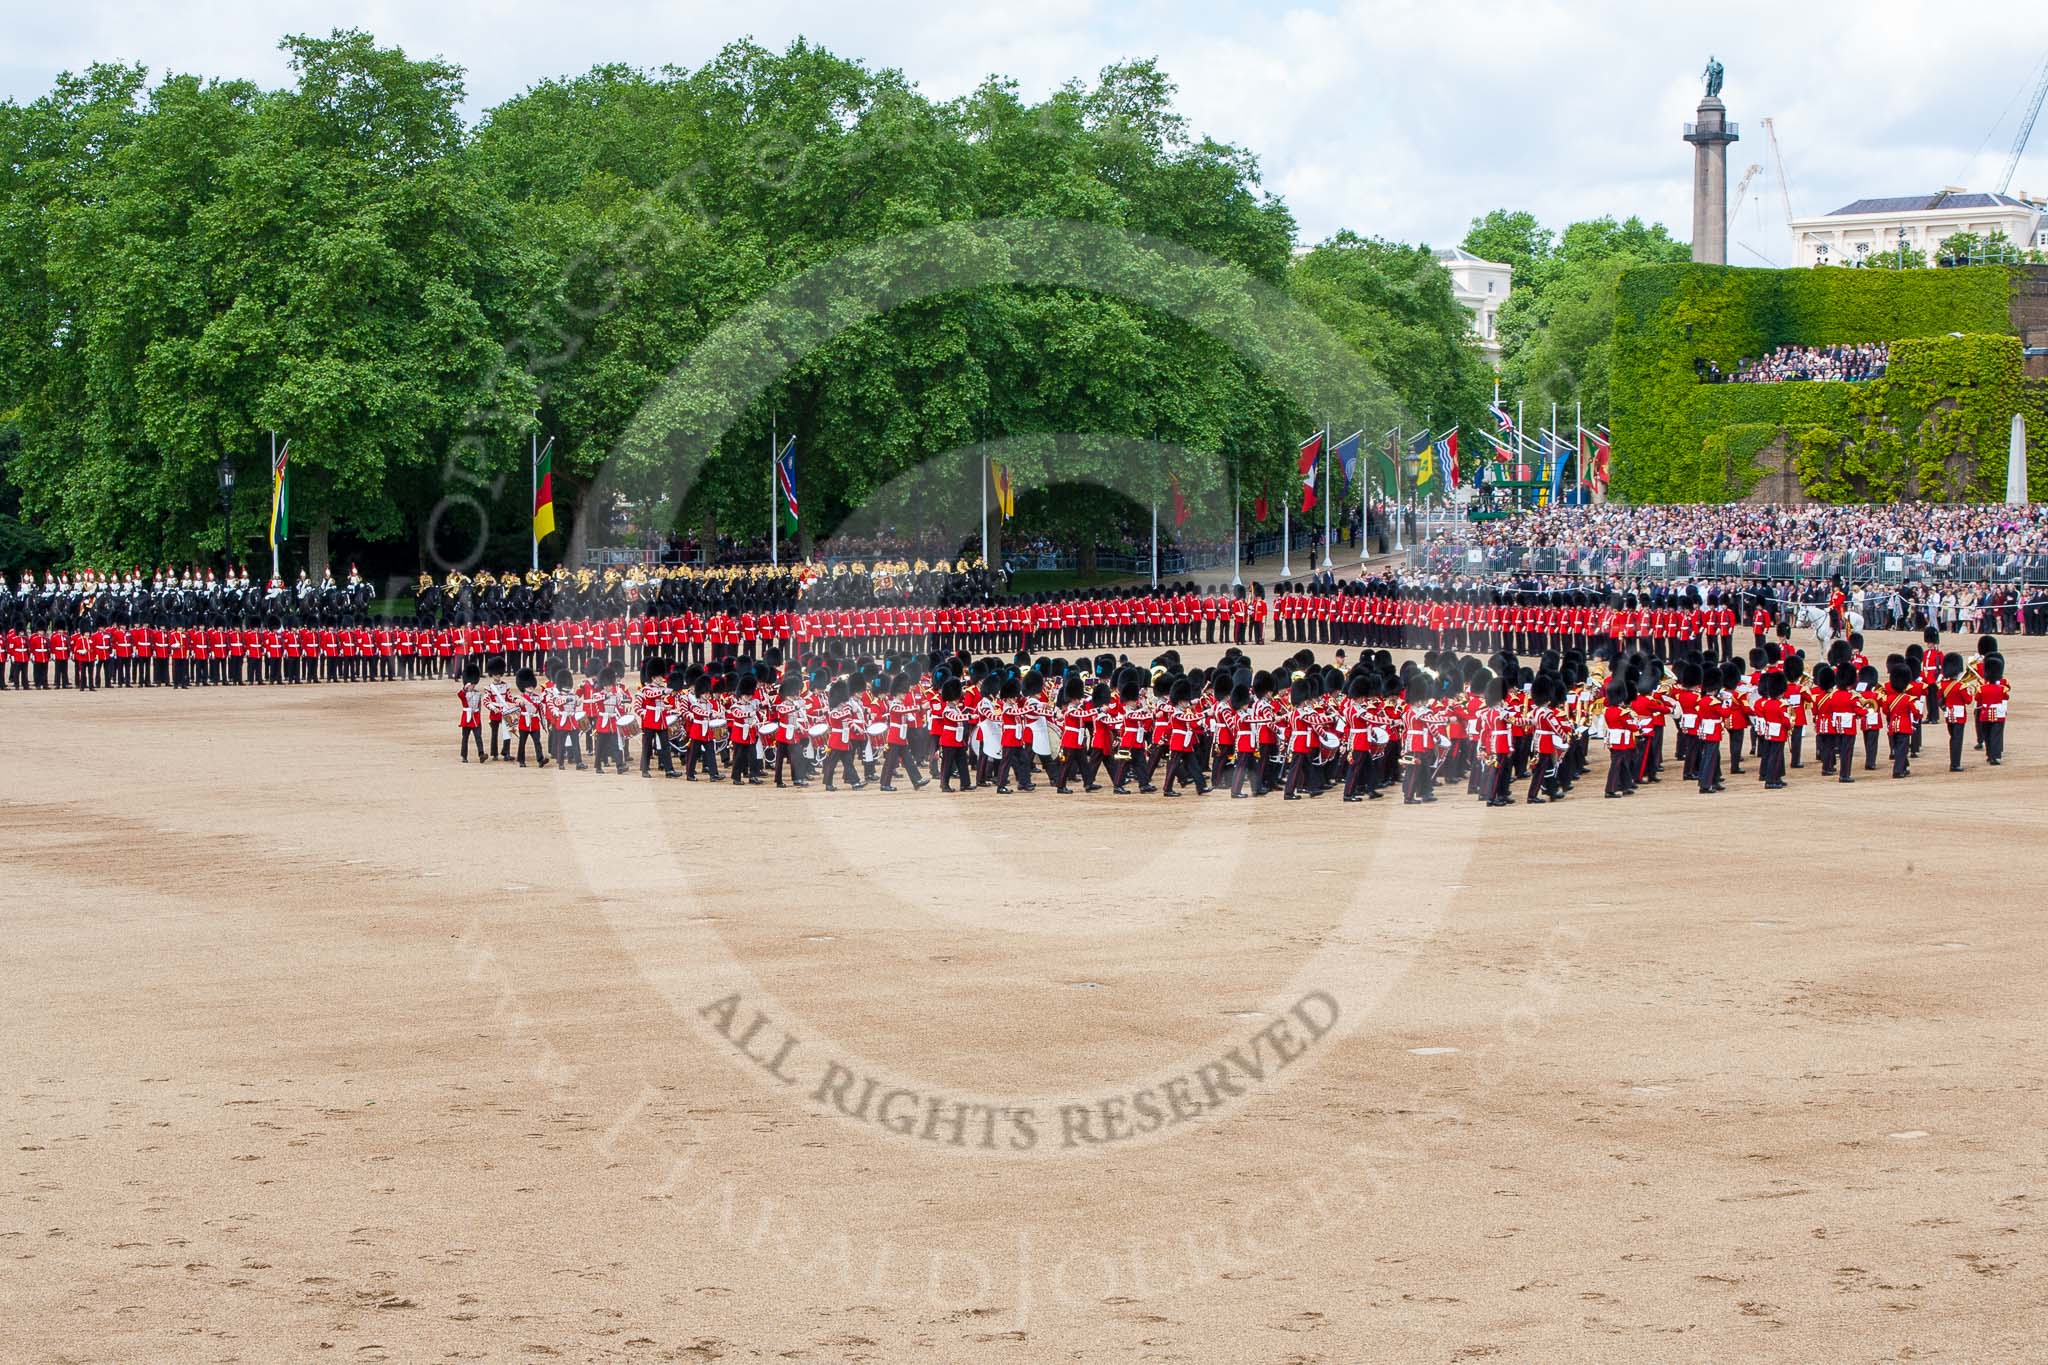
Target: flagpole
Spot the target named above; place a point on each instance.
(1553, 480)
(1156, 537)
(533, 499)
(1236, 528)
(986, 566)
(273, 504)
(1400, 447)
(1286, 537)
(774, 494)
(1329, 496)
(1521, 446)
(1578, 452)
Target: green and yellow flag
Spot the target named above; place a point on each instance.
(281, 496)
(544, 495)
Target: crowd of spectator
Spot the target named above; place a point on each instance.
(1790, 364)
(1993, 529)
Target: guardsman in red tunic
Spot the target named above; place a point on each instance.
(1709, 716)
(1901, 703)
(1181, 739)
(1774, 725)
(743, 727)
(469, 700)
(900, 719)
(1619, 723)
(842, 716)
(1953, 707)
(1994, 698)
(652, 704)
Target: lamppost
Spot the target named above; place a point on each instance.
(227, 517)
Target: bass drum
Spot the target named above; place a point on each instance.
(988, 738)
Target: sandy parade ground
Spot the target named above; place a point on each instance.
(323, 1046)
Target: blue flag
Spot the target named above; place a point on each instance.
(1346, 452)
(1562, 455)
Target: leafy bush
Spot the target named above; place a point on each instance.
(1925, 430)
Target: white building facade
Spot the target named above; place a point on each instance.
(1482, 287)
(1922, 221)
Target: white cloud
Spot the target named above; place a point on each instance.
(1389, 117)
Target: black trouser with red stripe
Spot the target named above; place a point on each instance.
(1706, 760)
(1621, 766)
(1771, 767)
(894, 754)
(1016, 764)
(835, 760)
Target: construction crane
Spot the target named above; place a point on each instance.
(2019, 142)
(1778, 162)
(1784, 194)
(1742, 187)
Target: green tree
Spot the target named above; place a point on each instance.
(668, 204)
(1513, 237)
(1556, 331)
(227, 261)
(1900, 257)
(1394, 305)
(1960, 246)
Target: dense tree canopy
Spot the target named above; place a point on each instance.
(654, 266)
(1557, 327)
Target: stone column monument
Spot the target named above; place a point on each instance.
(1710, 137)
(2016, 463)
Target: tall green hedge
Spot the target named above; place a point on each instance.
(1669, 316)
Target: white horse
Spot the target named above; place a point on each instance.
(1815, 619)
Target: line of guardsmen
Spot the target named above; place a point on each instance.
(1303, 729)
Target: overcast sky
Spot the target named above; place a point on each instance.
(1398, 119)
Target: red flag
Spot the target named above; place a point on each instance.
(1600, 470)
(1259, 509)
(1451, 448)
(1311, 451)
(1180, 504)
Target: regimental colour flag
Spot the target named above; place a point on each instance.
(1309, 453)
(785, 478)
(1180, 503)
(544, 495)
(281, 496)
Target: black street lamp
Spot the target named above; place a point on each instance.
(227, 517)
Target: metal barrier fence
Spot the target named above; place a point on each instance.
(1852, 566)
(1173, 562)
